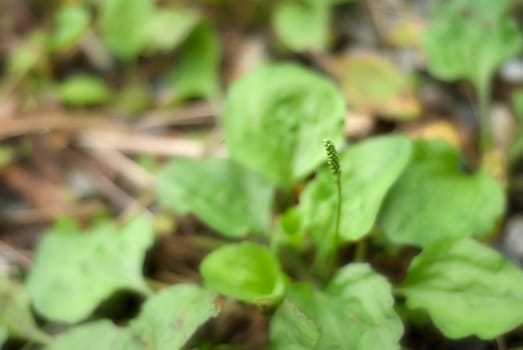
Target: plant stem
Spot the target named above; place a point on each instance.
(483, 88)
(325, 260)
(361, 251)
(336, 233)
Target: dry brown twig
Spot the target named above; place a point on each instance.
(135, 142)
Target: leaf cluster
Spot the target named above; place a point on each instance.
(275, 119)
(394, 193)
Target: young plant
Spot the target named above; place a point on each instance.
(470, 40)
(386, 183)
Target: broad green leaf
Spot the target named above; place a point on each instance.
(169, 27)
(355, 312)
(302, 26)
(276, 117)
(467, 289)
(244, 271)
(16, 318)
(126, 26)
(73, 271)
(83, 90)
(231, 199)
(470, 39)
(70, 23)
(169, 318)
(196, 72)
(99, 335)
(368, 171)
(292, 329)
(374, 85)
(434, 198)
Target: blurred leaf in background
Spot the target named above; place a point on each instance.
(80, 90)
(70, 22)
(169, 318)
(130, 27)
(304, 25)
(125, 26)
(102, 334)
(3, 335)
(27, 55)
(170, 27)
(16, 319)
(75, 271)
(196, 72)
(469, 39)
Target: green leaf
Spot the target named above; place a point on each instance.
(470, 39)
(169, 27)
(70, 23)
(16, 318)
(3, 335)
(302, 26)
(27, 54)
(434, 198)
(289, 229)
(83, 90)
(196, 72)
(126, 25)
(276, 117)
(74, 271)
(169, 318)
(355, 312)
(229, 198)
(99, 335)
(244, 271)
(467, 289)
(292, 329)
(368, 171)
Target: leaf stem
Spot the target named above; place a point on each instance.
(483, 89)
(334, 238)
